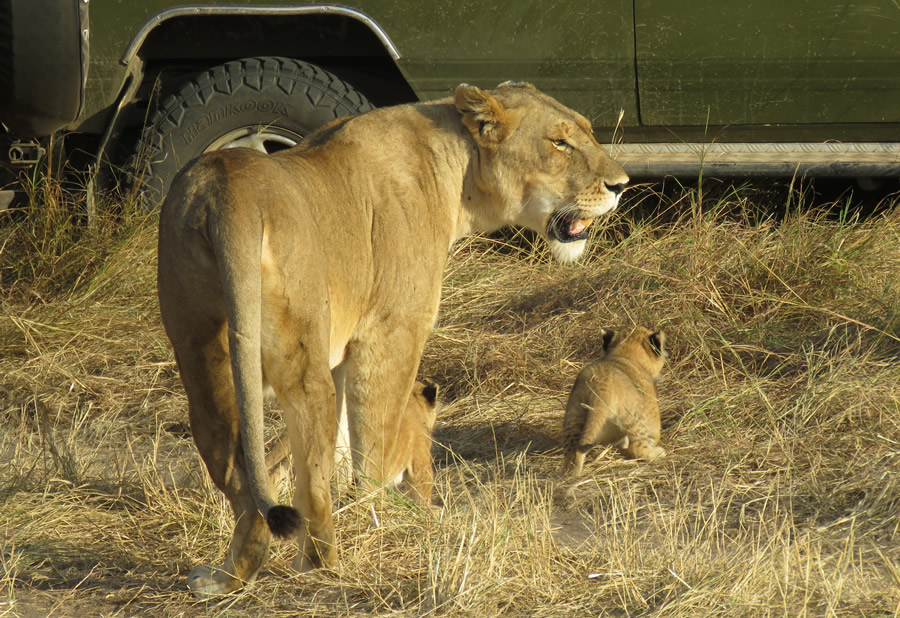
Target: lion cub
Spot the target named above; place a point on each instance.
(614, 400)
(409, 459)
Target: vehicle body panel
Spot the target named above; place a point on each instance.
(765, 63)
(642, 71)
(582, 55)
(768, 62)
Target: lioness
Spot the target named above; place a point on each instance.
(327, 258)
(614, 400)
(409, 461)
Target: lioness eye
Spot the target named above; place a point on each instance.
(562, 144)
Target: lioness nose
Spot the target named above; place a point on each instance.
(617, 188)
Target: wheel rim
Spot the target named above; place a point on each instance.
(264, 139)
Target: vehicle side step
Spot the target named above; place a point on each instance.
(854, 159)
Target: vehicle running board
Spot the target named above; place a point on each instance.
(854, 159)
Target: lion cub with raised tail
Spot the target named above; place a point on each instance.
(614, 400)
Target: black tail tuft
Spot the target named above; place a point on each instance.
(284, 521)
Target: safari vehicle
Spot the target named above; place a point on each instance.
(768, 87)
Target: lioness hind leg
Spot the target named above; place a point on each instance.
(204, 364)
(302, 379)
(313, 449)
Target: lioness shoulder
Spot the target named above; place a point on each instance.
(614, 400)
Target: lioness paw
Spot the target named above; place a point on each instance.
(207, 581)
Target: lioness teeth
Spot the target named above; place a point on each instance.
(579, 225)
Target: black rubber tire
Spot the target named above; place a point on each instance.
(280, 95)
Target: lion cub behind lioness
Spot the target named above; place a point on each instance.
(614, 400)
(409, 460)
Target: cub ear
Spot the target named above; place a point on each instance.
(484, 116)
(608, 336)
(430, 393)
(657, 342)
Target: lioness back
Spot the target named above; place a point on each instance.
(614, 400)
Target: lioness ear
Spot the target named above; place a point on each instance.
(484, 116)
(657, 341)
(430, 393)
(608, 336)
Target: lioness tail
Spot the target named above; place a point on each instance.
(236, 238)
(283, 521)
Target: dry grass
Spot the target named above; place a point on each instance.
(781, 412)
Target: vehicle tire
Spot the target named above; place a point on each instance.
(266, 103)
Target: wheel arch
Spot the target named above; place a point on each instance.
(342, 40)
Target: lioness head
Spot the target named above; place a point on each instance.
(543, 163)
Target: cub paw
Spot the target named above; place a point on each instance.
(650, 452)
(207, 581)
(657, 451)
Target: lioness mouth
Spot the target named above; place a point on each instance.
(568, 228)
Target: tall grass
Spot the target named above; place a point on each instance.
(781, 411)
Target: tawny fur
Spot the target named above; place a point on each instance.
(317, 270)
(614, 400)
(409, 461)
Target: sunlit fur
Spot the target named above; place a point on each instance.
(327, 260)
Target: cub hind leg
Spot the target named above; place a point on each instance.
(585, 424)
(644, 449)
(642, 439)
(590, 418)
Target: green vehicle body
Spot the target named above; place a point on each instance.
(643, 71)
